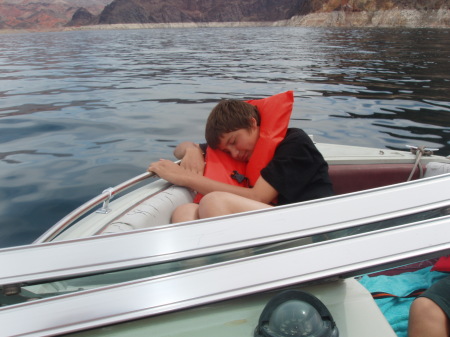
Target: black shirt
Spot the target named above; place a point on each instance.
(298, 170)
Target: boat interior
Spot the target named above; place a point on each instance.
(359, 177)
(346, 179)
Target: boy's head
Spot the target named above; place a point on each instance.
(227, 116)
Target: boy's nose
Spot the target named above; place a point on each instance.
(234, 153)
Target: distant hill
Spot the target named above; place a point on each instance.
(42, 14)
(200, 11)
(55, 14)
(158, 11)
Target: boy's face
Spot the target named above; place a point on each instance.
(240, 144)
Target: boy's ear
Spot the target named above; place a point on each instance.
(253, 122)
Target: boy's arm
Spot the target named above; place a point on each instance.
(192, 157)
(168, 170)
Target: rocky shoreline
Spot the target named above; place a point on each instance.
(410, 18)
(406, 18)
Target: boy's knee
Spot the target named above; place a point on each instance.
(213, 204)
(212, 198)
(216, 199)
(185, 212)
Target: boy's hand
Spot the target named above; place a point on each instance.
(192, 157)
(193, 160)
(169, 171)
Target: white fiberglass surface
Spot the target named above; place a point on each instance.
(71, 285)
(350, 304)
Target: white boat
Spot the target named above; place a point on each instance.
(125, 270)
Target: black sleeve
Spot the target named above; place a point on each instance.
(298, 170)
(203, 146)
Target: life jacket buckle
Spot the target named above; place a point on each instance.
(238, 177)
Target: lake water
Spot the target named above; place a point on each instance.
(85, 110)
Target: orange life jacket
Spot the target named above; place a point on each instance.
(275, 112)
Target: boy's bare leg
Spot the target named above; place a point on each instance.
(186, 212)
(223, 203)
(427, 319)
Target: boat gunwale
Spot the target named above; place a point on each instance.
(106, 195)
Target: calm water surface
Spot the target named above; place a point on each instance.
(82, 111)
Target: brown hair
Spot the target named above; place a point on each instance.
(227, 116)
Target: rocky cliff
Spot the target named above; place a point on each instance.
(53, 14)
(410, 18)
(82, 17)
(164, 11)
(43, 14)
(379, 13)
(296, 12)
(376, 5)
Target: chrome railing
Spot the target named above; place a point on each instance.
(105, 197)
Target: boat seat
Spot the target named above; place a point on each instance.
(157, 210)
(436, 168)
(153, 211)
(352, 178)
